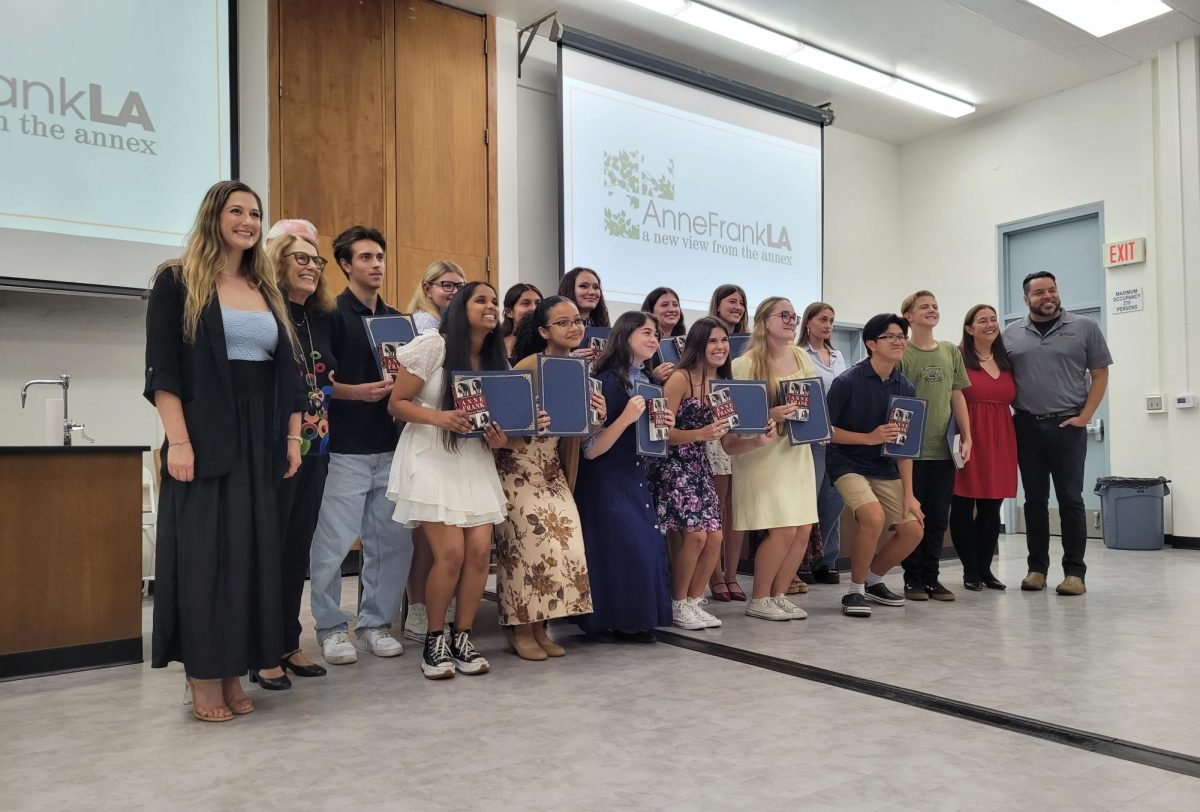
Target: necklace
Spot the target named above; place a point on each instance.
(985, 358)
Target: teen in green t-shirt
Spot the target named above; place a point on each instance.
(937, 371)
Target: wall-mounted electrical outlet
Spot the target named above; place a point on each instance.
(1156, 403)
(1185, 400)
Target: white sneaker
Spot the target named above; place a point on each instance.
(416, 624)
(792, 609)
(711, 621)
(338, 650)
(683, 615)
(380, 642)
(766, 609)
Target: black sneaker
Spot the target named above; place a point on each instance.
(879, 593)
(939, 592)
(855, 605)
(915, 592)
(467, 658)
(827, 575)
(436, 662)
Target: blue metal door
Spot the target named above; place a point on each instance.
(1068, 244)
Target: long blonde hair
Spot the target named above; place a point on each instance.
(759, 352)
(321, 300)
(204, 258)
(420, 300)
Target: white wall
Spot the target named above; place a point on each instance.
(1094, 143)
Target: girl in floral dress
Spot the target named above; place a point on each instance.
(541, 568)
(683, 485)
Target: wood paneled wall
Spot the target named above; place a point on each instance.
(382, 118)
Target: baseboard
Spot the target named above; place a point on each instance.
(1182, 542)
(71, 658)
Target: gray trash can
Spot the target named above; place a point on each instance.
(1131, 511)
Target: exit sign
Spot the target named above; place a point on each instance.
(1124, 253)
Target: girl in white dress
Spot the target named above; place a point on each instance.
(445, 484)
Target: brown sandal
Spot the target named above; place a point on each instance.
(723, 596)
(735, 591)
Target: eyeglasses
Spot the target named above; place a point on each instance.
(563, 324)
(452, 287)
(787, 317)
(303, 259)
(895, 338)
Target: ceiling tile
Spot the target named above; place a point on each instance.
(1189, 7)
(1143, 41)
(1099, 57)
(1029, 22)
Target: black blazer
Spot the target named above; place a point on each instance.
(198, 373)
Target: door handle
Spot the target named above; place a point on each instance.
(1096, 429)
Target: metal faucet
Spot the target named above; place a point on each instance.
(64, 381)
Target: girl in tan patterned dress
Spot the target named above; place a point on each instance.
(541, 570)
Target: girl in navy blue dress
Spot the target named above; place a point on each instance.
(626, 552)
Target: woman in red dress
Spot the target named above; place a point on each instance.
(990, 477)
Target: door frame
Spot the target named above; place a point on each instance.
(1003, 232)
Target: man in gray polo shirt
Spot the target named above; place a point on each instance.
(1053, 353)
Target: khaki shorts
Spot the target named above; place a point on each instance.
(858, 490)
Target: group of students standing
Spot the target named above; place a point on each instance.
(283, 446)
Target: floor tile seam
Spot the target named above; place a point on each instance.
(1136, 752)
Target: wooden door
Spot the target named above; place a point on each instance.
(380, 119)
(441, 152)
(332, 148)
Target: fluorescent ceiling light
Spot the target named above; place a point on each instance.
(668, 7)
(929, 99)
(756, 36)
(842, 68)
(718, 22)
(1102, 17)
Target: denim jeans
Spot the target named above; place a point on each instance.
(829, 510)
(1047, 452)
(355, 505)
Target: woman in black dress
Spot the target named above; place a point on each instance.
(222, 372)
(299, 273)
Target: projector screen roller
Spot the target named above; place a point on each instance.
(667, 184)
(114, 119)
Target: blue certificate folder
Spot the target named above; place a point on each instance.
(503, 397)
(669, 350)
(737, 344)
(749, 402)
(386, 334)
(910, 414)
(563, 393)
(594, 338)
(810, 424)
(651, 439)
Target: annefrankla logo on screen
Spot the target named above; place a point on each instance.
(39, 104)
(642, 206)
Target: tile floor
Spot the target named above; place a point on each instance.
(658, 727)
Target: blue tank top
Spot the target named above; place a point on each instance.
(250, 335)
